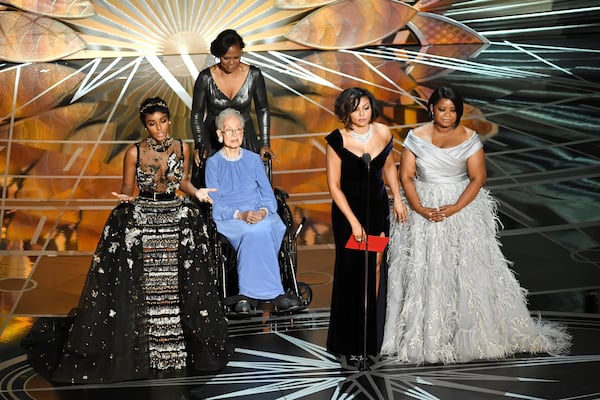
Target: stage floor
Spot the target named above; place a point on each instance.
(284, 357)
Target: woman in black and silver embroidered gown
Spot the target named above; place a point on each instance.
(149, 307)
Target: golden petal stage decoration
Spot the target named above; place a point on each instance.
(45, 129)
(438, 29)
(21, 160)
(69, 157)
(23, 225)
(301, 4)
(56, 8)
(301, 111)
(82, 142)
(177, 27)
(385, 78)
(351, 23)
(286, 115)
(29, 37)
(51, 175)
(296, 155)
(434, 5)
(48, 225)
(41, 87)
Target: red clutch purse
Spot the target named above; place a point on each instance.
(376, 243)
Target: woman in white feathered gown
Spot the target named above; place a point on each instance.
(451, 294)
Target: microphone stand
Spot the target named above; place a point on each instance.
(363, 364)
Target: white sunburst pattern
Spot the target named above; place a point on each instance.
(290, 365)
(322, 376)
(179, 26)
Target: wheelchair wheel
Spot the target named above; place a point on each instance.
(305, 293)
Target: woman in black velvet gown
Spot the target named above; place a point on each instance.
(228, 84)
(347, 171)
(149, 307)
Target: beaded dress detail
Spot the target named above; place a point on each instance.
(149, 307)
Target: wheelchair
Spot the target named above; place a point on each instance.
(226, 259)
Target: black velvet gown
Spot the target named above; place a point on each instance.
(346, 325)
(149, 307)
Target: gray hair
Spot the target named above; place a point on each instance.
(227, 113)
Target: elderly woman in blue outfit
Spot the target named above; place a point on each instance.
(245, 211)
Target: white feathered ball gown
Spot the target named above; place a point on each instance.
(451, 294)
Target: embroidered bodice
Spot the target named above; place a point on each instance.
(159, 172)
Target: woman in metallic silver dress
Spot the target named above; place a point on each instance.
(149, 307)
(452, 296)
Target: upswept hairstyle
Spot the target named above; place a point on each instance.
(152, 105)
(446, 92)
(224, 41)
(347, 102)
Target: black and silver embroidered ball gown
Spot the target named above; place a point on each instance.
(452, 296)
(149, 307)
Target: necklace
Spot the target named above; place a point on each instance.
(231, 158)
(159, 147)
(363, 137)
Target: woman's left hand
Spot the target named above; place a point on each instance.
(446, 211)
(267, 150)
(253, 217)
(123, 198)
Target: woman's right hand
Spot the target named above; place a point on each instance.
(252, 217)
(358, 232)
(202, 194)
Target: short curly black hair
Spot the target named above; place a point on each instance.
(347, 102)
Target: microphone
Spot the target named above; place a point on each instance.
(366, 159)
